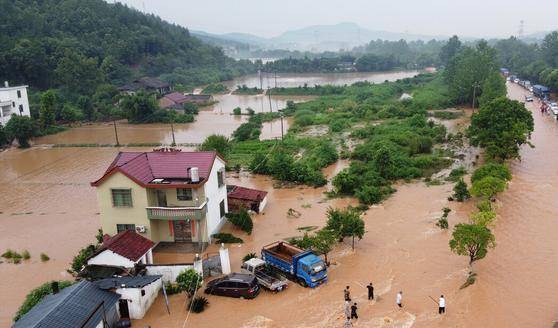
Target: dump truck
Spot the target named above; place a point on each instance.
(267, 278)
(301, 266)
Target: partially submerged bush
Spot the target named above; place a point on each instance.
(25, 255)
(44, 257)
(198, 304)
(226, 238)
(460, 192)
(242, 220)
(500, 171)
(249, 256)
(189, 281)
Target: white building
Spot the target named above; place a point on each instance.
(13, 101)
(137, 293)
(125, 249)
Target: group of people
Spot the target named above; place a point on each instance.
(351, 310)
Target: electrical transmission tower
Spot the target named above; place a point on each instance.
(521, 29)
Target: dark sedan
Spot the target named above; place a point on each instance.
(234, 285)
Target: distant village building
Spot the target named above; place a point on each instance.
(166, 196)
(80, 305)
(176, 100)
(125, 249)
(149, 84)
(249, 199)
(13, 101)
(137, 294)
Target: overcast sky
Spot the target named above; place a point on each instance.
(477, 18)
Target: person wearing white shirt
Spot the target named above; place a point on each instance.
(442, 305)
(399, 299)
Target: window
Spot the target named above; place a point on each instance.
(220, 178)
(19, 93)
(222, 208)
(184, 194)
(121, 197)
(124, 227)
(13, 104)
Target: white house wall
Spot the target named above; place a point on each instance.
(137, 304)
(169, 272)
(9, 95)
(108, 257)
(215, 194)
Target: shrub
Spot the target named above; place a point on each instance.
(44, 257)
(25, 255)
(460, 191)
(483, 218)
(216, 142)
(488, 187)
(198, 304)
(171, 288)
(500, 171)
(36, 295)
(442, 223)
(226, 238)
(9, 254)
(249, 256)
(457, 174)
(242, 220)
(81, 258)
(369, 195)
(189, 281)
(237, 111)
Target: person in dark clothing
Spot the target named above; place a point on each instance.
(354, 314)
(347, 294)
(370, 291)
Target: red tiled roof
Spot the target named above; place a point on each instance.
(247, 194)
(128, 244)
(174, 167)
(176, 97)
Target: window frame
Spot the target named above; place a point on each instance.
(222, 209)
(19, 93)
(220, 178)
(178, 197)
(113, 190)
(125, 226)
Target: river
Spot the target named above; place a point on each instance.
(48, 206)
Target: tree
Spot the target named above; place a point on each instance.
(86, 107)
(488, 187)
(460, 192)
(218, 143)
(549, 49)
(450, 49)
(3, 136)
(354, 227)
(81, 258)
(496, 170)
(189, 281)
(345, 223)
(47, 111)
(502, 126)
(22, 128)
(494, 87)
(483, 218)
(140, 108)
(471, 240)
(78, 72)
(324, 241)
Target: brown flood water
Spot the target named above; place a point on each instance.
(48, 206)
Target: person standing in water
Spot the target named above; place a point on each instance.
(354, 314)
(399, 299)
(348, 323)
(442, 305)
(347, 294)
(347, 309)
(370, 291)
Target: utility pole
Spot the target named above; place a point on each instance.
(269, 96)
(281, 127)
(275, 79)
(173, 139)
(475, 86)
(261, 79)
(116, 133)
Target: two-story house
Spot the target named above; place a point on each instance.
(13, 101)
(165, 195)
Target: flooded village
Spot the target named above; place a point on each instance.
(331, 176)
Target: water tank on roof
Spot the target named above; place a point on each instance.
(194, 175)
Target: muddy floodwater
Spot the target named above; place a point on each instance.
(48, 206)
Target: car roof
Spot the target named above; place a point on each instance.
(244, 277)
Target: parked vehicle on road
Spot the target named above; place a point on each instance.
(301, 266)
(541, 91)
(528, 98)
(267, 277)
(234, 285)
(554, 108)
(516, 80)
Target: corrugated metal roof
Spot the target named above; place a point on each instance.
(127, 282)
(69, 308)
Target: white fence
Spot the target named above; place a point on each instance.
(168, 271)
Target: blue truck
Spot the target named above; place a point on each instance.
(541, 91)
(301, 266)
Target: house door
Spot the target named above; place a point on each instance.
(123, 307)
(182, 231)
(161, 198)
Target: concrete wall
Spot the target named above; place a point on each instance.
(111, 216)
(172, 200)
(215, 195)
(9, 95)
(138, 304)
(169, 272)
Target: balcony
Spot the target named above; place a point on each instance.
(177, 213)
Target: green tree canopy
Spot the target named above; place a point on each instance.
(324, 241)
(496, 170)
(494, 87)
(346, 223)
(502, 127)
(471, 240)
(140, 108)
(189, 281)
(488, 187)
(450, 49)
(47, 111)
(218, 143)
(22, 128)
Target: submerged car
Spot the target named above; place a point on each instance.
(234, 285)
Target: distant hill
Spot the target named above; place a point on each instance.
(80, 44)
(320, 38)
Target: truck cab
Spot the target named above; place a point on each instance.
(312, 270)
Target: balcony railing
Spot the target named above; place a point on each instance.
(176, 213)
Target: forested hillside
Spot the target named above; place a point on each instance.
(78, 45)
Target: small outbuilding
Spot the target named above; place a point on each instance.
(137, 294)
(250, 199)
(125, 249)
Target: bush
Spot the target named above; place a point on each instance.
(21, 128)
(218, 143)
(460, 191)
(237, 111)
(198, 304)
(226, 238)
(242, 220)
(488, 187)
(9, 254)
(457, 174)
(25, 255)
(500, 171)
(248, 257)
(189, 281)
(44, 257)
(171, 288)
(81, 259)
(36, 296)
(443, 221)
(369, 195)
